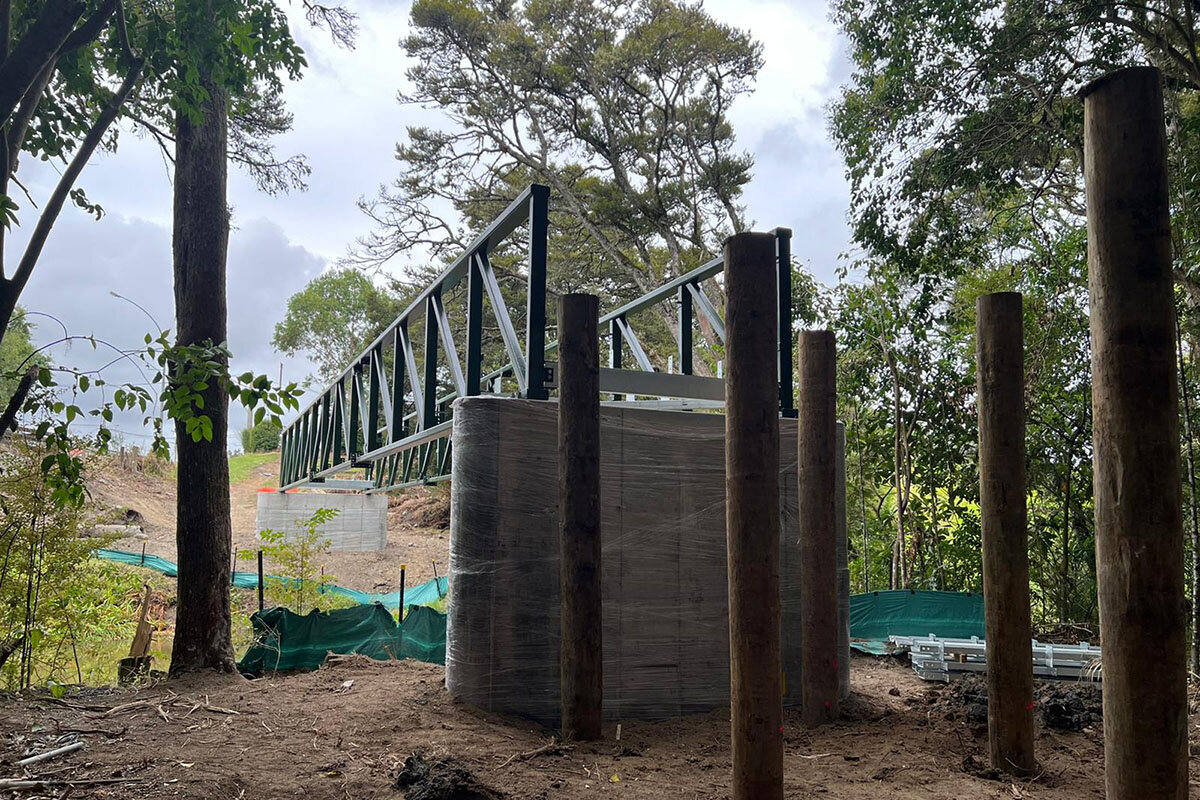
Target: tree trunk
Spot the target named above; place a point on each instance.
(1191, 466)
(940, 567)
(862, 501)
(1064, 602)
(899, 556)
(203, 529)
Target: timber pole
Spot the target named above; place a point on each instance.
(816, 482)
(1000, 373)
(1135, 402)
(581, 655)
(752, 516)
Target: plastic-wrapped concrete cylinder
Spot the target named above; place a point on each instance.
(666, 639)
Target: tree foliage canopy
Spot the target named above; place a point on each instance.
(333, 318)
(962, 115)
(620, 107)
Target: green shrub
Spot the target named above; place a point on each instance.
(301, 583)
(262, 438)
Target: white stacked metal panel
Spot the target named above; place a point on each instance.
(934, 658)
(360, 525)
(664, 567)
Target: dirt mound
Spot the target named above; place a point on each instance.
(1069, 706)
(419, 508)
(443, 779)
(1062, 705)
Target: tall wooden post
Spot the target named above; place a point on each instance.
(1000, 375)
(581, 662)
(752, 516)
(1135, 407)
(816, 482)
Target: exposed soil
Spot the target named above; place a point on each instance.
(350, 730)
(1062, 705)
(418, 523)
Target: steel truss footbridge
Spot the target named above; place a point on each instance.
(384, 423)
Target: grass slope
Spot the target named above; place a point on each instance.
(240, 467)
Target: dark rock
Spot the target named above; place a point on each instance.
(440, 780)
(1069, 706)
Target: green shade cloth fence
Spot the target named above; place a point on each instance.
(875, 616)
(423, 594)
(284, 640)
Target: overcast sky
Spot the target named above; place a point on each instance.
(347, 121)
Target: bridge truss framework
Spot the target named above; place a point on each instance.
(387, 415)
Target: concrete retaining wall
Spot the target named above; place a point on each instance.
(359, 527)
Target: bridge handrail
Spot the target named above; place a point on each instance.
(324, 439)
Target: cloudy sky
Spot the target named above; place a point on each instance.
(347, 121)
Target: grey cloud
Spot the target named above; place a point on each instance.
(85, 261)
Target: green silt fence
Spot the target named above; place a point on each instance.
(875, 616)
(284, 640)
(423, 594)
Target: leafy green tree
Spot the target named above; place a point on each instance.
(301, 582)
(17, 354)
(40, 550)
(219, 51)
(184, 71)
(66, 70)
(620, 106)
(262, 438)
(962, 136)
(960, 116)
(334, 318)
(907, 387)
(71, 68)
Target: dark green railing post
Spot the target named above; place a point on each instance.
(398, 378)
(355, 383)
(535, 330)
(474, 328)
(783, 260)
(339, 404)
(376, 366)
(616, 341)
(429, 389)
(685, 331)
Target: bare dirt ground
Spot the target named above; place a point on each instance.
(347, 730)
(418, 524)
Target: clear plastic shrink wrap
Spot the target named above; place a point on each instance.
(666, 635)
